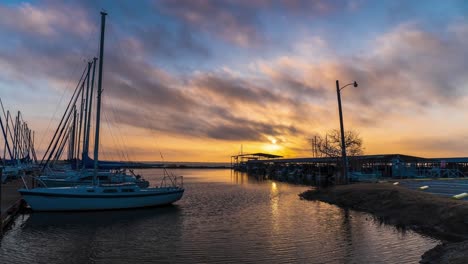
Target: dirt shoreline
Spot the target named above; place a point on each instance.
(438, 217)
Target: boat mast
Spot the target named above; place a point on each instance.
(5, 135)
(85, 113)
(88, 123)
(32, 147)
(98, 110)
(78, 138)
(73, 135)
(62, 124)
(15, 139)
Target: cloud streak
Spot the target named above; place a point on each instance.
(239, 22)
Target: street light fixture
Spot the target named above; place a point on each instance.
(343, 146)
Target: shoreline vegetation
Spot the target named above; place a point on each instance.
(438, 217)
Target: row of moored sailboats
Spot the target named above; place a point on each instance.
(18, 155)
(85, 183)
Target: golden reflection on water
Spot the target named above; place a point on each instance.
(239, 177)
(274, 199)
(274, 203)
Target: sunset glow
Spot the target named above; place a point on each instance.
(195, 80)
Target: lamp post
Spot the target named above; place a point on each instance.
(343, 146)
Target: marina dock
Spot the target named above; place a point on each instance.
(11, 201)
(368, 168)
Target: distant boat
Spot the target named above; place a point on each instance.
(102, 196)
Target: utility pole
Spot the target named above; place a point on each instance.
(343, 146)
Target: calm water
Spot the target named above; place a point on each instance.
(222, 218)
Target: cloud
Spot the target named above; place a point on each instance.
(205, 106)
(50, 50)
(287, 89)
(147, 96)
(219, 124)
(233, 22)
(42, 43)
(424, 67)
(432, 146)
(300, 78)
(229, 89)
(157, 41)
(404, 71)
(287, 94)
(239, 22)
(49, 22)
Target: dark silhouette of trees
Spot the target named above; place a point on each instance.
(329, 145)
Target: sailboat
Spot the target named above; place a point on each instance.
(102, 196)
(76, 171)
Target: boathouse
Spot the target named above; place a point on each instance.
(365, 167)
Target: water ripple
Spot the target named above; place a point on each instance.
(221, 219)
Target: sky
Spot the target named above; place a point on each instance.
(197, 80)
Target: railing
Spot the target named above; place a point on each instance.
(171, 180)
(441, 173)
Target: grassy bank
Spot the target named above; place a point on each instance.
(438, 217)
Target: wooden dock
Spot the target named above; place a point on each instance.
(11, 201)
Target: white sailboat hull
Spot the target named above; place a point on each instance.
(81, 198)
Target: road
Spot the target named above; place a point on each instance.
(447, 188)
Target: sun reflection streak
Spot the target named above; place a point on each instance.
(274, 203)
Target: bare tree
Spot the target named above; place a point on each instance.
(330, 144)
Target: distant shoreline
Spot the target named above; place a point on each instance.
(179, 167)
(161, 165)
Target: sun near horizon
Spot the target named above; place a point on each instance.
(197, 80)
